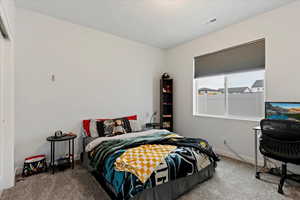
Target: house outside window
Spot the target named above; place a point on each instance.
(258, 86)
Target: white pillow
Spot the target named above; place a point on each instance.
(93, 128)
(135, 125)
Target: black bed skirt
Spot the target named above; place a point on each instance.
(174, 189)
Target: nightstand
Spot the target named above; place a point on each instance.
(52, 140)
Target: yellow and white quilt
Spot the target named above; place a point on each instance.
(143, 160)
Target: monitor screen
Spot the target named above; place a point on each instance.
(283, 110)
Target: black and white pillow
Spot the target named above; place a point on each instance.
(108, 127)
(126, 124)
(100, 128)
(112, 127)
(119, 127)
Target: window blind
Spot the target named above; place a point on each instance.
(246, 57)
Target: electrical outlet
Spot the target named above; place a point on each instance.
(53, 78)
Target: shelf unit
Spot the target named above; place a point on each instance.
(166, 104)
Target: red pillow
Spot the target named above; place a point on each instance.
(86, 126)
(86, 123)
(133, 117)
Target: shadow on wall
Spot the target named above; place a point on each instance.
(155, 96)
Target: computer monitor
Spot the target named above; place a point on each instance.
(282, 110)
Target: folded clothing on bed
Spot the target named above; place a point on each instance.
(143, 160)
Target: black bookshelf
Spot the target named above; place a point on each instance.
(166, 104)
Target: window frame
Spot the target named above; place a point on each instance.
(226, 114)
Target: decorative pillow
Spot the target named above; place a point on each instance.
(133, 117)
(86, 125)
(135, 125)
(108, 127)
(119, 127)
(93, 128)
(100, 128)
(114, 127)
(126, 124)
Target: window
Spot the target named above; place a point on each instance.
(246, 94)
(210, 99)
(236, 94)
(230, 82)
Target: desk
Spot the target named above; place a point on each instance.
(257, 132)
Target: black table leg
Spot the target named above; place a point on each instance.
(69, 151)
(72, 153)
(53, 156)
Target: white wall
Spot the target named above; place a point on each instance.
(7, 11)
(281, 29)
(83, 61)
(97, 75)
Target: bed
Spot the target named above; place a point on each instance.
(191, 162)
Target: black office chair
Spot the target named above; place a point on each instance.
(280, 140)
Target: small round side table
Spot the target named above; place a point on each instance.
(52, 140)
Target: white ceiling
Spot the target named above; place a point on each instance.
(160, 23)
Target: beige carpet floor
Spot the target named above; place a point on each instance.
(233, 181)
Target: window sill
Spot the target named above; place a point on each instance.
(231, 117)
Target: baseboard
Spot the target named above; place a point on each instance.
(18, 171)
(239, 157)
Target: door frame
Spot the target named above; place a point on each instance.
(1, 113)
(7, 123)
